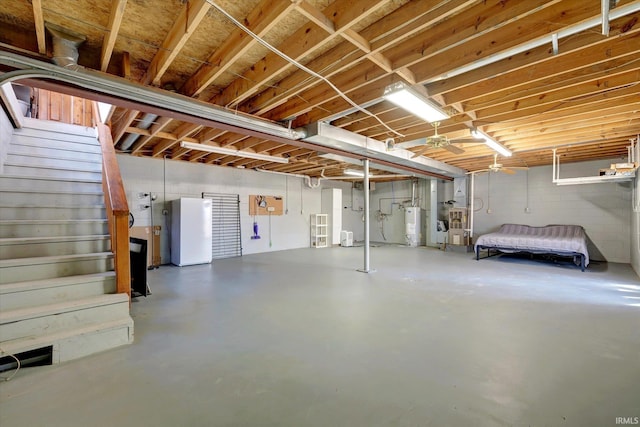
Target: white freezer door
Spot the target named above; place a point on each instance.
(193, 234)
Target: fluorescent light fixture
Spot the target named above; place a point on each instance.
(353, 172)
(492, 143)
(233, 152)
(412, 101)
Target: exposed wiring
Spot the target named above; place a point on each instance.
(17, 368)
(300, 66)
(401, 204)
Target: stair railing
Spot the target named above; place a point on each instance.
(116, 205)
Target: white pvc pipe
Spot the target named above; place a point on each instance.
(307, 178)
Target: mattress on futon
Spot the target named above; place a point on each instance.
(557, 239)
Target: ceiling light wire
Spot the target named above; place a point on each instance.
(299, 65)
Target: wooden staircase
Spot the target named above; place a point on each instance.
(57, 281)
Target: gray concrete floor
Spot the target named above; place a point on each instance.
(300, 338)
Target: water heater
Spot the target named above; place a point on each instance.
(412, 226)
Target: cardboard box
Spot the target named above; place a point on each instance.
(624, 165)
(153, 253)
(625, 171)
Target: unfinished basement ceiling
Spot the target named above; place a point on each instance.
(579, 95)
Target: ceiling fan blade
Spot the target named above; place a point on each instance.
(507, 170)
(453, 149)
(420, 152)
(466, 141)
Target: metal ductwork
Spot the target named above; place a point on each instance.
(157, 101)
(145, 123)
(65, 46)
(333, 137)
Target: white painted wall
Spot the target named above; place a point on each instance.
(352, 208)
(635, 227)
(184, 179)
(387, 222)
(6, 132)
(331, 204)
(604, 210)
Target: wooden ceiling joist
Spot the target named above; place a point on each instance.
(191, 14)
(155, 128)
(184, 131)
(39, 26)
(261, 19)
(303, 42)
(583, 98)
(113, 27)
(411, 18)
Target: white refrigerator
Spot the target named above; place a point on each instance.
(191, 237)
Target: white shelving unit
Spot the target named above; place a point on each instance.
(319, 230)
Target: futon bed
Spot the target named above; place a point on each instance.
(561, 240)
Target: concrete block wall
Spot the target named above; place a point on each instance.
(388, 199)
(169, 180)
(604, 210)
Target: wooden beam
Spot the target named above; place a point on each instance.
(573, 95)
(584, 40)
(210, 134)
(584, 64)
(126, 65)
(121, 126)
(335, 104)
(408, 20)
(495, 39)
(308, 39)
(181, 133)
(155, 128)
(260, 20)
(188, 20)
(315, 15)
(528, 125)
(318, 94)
(115, 19)
(39, 23)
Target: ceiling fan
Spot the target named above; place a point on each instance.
(436, 141)
(497, 167)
